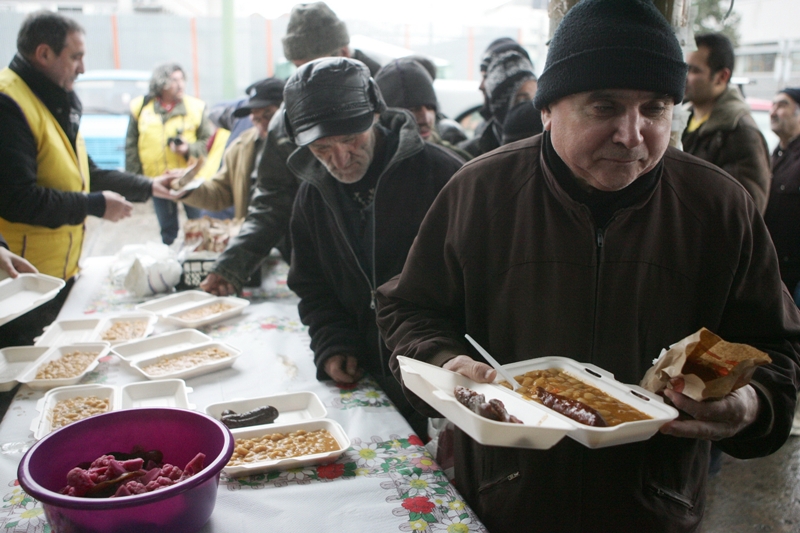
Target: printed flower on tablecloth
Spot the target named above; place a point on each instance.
(29, 515)
(16, 497)
(457, 524)
(422, 485)
(301, 475)
(415, 440)
(424, 463)
(363, 471)
(457, 505)
(418, 525)
(419, 505)
(331, 471)
(440, 500)
(369, 454)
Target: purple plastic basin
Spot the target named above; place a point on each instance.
(180, 434)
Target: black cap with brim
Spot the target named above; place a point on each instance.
(338, 126)
(253, 103)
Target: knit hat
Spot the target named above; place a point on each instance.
(793, 93)
(612, 44)
(523, 121)
(262, 94)
(501, 45)
(405, 83)
(330, 96)
(314, 31)
(506, 73)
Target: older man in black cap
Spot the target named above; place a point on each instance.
(313, 31)
(235, 181)
(368, 180)
(598, 242)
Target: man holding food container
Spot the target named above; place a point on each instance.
(596, 241)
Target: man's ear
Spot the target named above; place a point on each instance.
(723, 76)
(43, 54)
(546, 118)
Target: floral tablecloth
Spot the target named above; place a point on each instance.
(386, 481)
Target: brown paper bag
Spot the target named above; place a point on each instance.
(711, 367)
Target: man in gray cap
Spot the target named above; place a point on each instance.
(236, 179)
(368, 180)
(314, 31)
(598, 242)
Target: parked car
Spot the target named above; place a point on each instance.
(106, 97)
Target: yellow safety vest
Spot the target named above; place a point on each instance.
(53, 251)
(154, 154)
(214, 160)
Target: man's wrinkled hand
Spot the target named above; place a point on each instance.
(217, 285)
(14, 264)
(474, 370)
(117, 207)
(343, 368)
(161, 184)
(713, 419)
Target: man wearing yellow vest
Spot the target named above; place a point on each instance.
(48, 181)
(166, 129)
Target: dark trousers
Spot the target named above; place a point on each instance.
(167, 214)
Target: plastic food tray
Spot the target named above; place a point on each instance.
(174, 302)
(292, 462)
(14, 362)
(165, 343)
(198, 370)
(56, 352)
(633, 395)
(91, 329)
(25, 292)
(237, 305)
(163, 393)
(540, 430)
(292, 407)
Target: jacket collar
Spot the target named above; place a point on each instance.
(65, 106)
(728, 109)
(306, 167)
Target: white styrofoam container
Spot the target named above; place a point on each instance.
(174, 302)
(164, 343)
(292, 407)
(15, 361)
(56, 352)
(25, 292)
(164, 393)
(336, 431)
(540, 429)
(633, 395)
(237, 305)
(90, 329)
(205, 368)
(109, 322)
(69, 332)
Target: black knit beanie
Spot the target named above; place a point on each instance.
(612, 44)
(793, 93)
(506, 73)
(313, 31)
(523, 121)
(405, 83)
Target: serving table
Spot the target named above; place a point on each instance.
(386, 481)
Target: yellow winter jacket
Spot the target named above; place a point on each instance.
(154, 154)
(58, 166)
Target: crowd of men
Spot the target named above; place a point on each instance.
(576, 229)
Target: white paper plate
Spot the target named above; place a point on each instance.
(204, 368)
(540, 429)
(174, 302)
(293, 462)
(174, 341)
(164, 393)
(14, 362)
(29, 377)
(25, 292)
(292, 407)
(236, 306)
(633, 395)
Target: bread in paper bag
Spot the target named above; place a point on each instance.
(710, 367)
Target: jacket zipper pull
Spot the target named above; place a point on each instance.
(372, 303)
(600, 238)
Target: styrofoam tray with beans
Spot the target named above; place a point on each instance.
(190, 362)
(61, 406)
(116, 329)
(283, 446)
(64, 365)
(192, 309)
